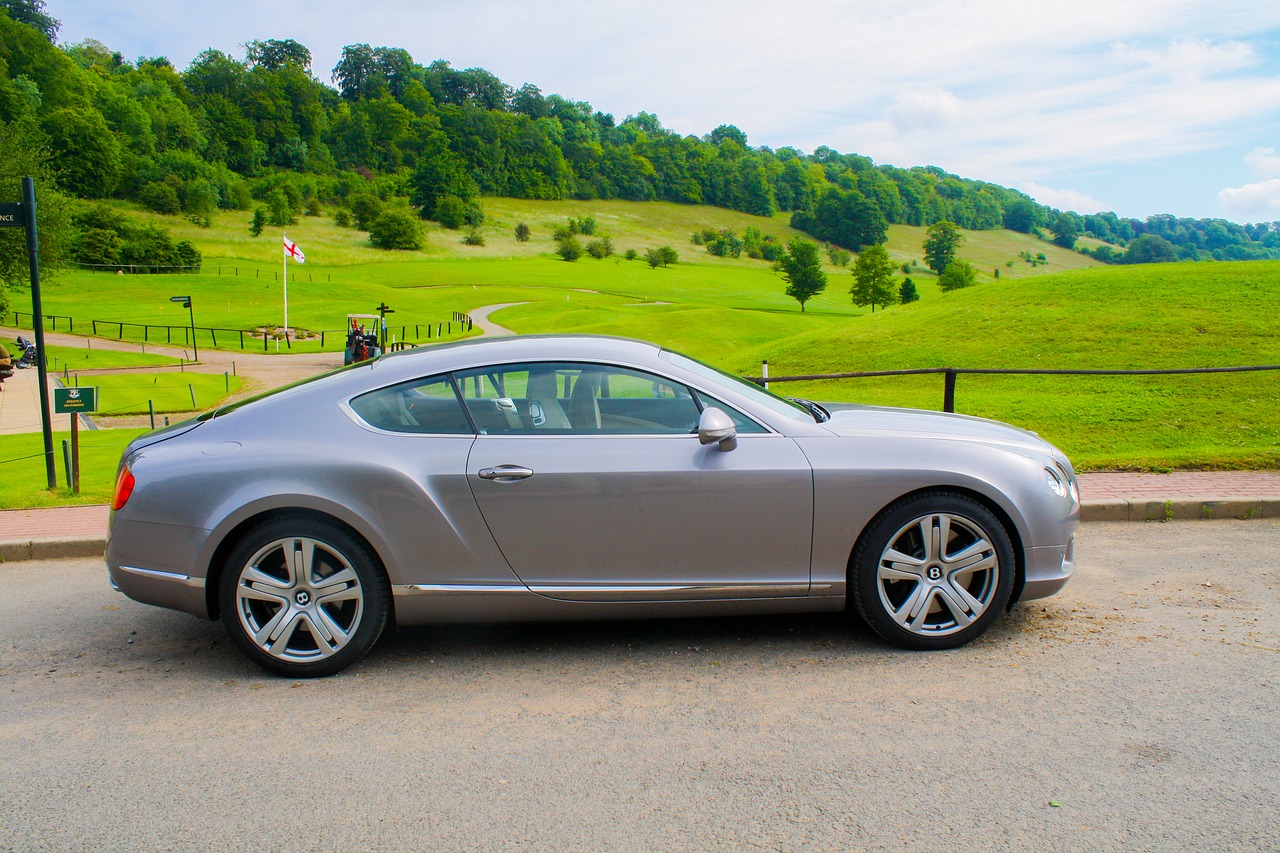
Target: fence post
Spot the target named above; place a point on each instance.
(949, 390)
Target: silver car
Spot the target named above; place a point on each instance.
(575, 477)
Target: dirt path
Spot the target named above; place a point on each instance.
(480, 317)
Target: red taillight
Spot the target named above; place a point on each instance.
(124, 488)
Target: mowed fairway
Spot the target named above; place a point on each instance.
(1067, 313)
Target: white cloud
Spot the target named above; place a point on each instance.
(1186, 59)
(1264, 162)
(1258, 202)
(925, 109)
(1075, 200)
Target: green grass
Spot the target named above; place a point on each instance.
(129, 393)
(23, 467)
(67, 360)
(1165, 316)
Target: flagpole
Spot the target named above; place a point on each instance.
(284, 259)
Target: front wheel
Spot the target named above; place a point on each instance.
(933, 571)
(303, 598)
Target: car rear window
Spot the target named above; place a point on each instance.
(421, 406)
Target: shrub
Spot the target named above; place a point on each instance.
(631, 254)
(396, 228)
(473, 237)
(840, 257)
(569, 248)
(161, 197)
(661, 257)
(365, 208)
(279, 211)
(188, 255)
(907, 292)
(522, 233)
(259, 221)
(957, 275)
(600, 249)
(342, 219)
(451, 212)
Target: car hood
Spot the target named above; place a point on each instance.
(855, 419)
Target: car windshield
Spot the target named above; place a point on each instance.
(745, 387)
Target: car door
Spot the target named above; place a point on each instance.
(595, 486)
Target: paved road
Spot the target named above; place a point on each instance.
(1143, 701)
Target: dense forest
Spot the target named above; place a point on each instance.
(264, 131)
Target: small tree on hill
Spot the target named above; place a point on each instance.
(958, 274)
(259, 221)
(522, 233)
(801, 269)
(568, 248)
(940, 244)
(907, 292)
(396, 228)
(873, 278)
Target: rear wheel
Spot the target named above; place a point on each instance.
(303, 598)
(933, 571)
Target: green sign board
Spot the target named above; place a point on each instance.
(73, 401)
(12, 215)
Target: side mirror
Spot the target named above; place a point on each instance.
(714, 426)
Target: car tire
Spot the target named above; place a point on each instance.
(302, 597)
(933, 571)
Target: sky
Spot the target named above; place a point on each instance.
(1140, 107)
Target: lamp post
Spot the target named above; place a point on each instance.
(186, 303)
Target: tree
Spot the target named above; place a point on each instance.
(277, 53)
(396, 228)
(801, 269)
(86, 151)
(259, 221)
(1023, 215)
(661, 256)
(1066, 229)
(873, 278)
(31, 13)
(451, 212)
(958, 274)
(365, 208)
(522, 232)
(568, 248)
(1150, 249)
(907, 292)
(941, 241)
(24, 153)
(439, 173)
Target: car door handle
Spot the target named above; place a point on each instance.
(506, 473)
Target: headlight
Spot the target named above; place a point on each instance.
(1061, 482)
(1055, 482)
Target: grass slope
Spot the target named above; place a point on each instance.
(1160, 316)
(1067, 313)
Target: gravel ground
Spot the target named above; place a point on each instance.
(1136, 710)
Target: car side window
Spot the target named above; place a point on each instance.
(573, 398)
(421, 406)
